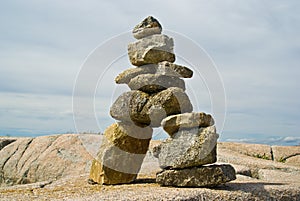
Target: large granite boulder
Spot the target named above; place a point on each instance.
(188, 148)
(142, 109)
(151, 50)
(153, 83)
(204, 176)
(162, 68)
(121, 154)
(147, 27)
(45, 158)
(173, 123)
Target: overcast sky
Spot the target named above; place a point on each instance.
(255, 46)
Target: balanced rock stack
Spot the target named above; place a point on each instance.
(158, 97)
(187, 156)
(157, 91)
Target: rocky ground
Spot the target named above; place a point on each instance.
(59, 165)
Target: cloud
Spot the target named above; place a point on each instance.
(29, 113)
(284, 141)
(255, 45)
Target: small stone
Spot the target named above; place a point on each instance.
(121, 155)
(147, 27)
(151, 50)
(128, 74)
(172, 124)
(243, 170)
(162, 68)
(153, 83)
(165, 103)
(205, 176)
(128, 108)
(171, 69)
(188, 148)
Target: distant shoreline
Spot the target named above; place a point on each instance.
(278, 142)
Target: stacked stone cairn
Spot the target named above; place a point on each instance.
(157, 97)
(187, 156)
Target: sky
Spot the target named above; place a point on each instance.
(253, 45)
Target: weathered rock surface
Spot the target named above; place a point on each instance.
(29, 160)
(255, 150)
(4, 141)
(188, 148)
(128, 74)
(153, 83)
(129, 137)
(208, 176)
(140, 108)
(173, 123)
(282, 153)
(295, 160)
(75, 187)
(129, 108)
(101, 174)
(151, 50)
(121, 155)
(277, 175)
(234, 157)
(147, 27)
(162, 68)
(242, 170)
(167, 102)
(175, 70)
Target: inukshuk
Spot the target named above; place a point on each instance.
(157, 93)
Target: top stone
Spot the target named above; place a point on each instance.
(147, 27)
